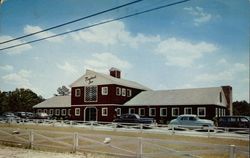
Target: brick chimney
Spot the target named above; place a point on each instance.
(115, 72)
(229, 97)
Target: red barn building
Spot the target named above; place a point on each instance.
(101, 97)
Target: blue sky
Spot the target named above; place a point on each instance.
(194, 44)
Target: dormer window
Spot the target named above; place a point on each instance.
(123, 92)
(90, 94)
(129, 92)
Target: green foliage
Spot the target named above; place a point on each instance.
(241, 108)
(18, 100)
(62, 91)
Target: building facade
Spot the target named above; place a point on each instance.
(101, 97)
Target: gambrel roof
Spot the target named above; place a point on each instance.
(55, 102)
(96, 78)
(195, 96)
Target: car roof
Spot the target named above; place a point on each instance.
(187, 115)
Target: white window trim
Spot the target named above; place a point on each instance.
(39, 110)
(130, 109)
(77, 114)
(173, 111)
(51, 111)
(129, 92)
(69, 112)
(63, 112)
(118, 111)
(161, 113)
(124, 92)
(57, 112)
(45, 111)
(105, 90)
(150, 111)
(76, 94)
(96, 95)
(140, 113)
(118, 91)
(185, 112)
(199, 108)
(104, 111)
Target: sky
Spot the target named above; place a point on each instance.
(194, 44)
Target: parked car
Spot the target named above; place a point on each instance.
(41, 115)
(134, 118)
(191, 121)
(20, 114)
(233, 121)
(9, 117)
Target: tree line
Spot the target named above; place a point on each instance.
(24, 99)
(18, 100)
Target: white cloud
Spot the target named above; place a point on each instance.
(228, 74)
(67, 67)
(104, 61)
(183, 53)
(200, 17)
(28, 29)
(7, 67)
(19, 79)
(16, 50)
(111, 34)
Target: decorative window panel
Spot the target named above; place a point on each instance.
(118, 111)
(77, 92)
(187, 110)
(129, 92)
(77, 111)
(63, 112)
(104, 111)
(90, 94)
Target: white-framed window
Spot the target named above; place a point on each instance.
(131, 110)
(152, 111)
(105, 90)
(118, 91)
(39, 110)
(118, 111)
(90, 94)
(63, 112)
(163, 112)
(187, 110)
(216, 112)
(104, 111)
(77, 92)
(129, 92)
(51, 111)
(57, 112)
(69, 112)
(175, 111)
(45, 110)
(124, 92)
(141, 111)
(77, 112)
(201, 111)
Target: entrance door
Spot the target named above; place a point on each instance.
(90, 114)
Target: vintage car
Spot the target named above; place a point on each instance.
(134, 118)
(233, 121)
(191, 121)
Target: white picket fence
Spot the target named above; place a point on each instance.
(118, 146)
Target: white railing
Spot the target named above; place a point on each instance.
(221, 132)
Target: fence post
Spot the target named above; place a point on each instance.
(172, 129)
(75, 142)
(232, 153)
(114, 126)
(140, 152)
(141, 128)
(31, 139)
